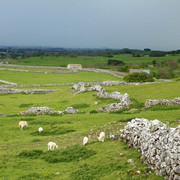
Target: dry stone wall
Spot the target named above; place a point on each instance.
(50, 72)
(123, 98)
(158, 143)
(150, 103)
(47, 110)
(33, 91)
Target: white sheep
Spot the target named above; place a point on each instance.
(101, 136)
(40, 129)
(52, 145)
(23, 124)
(85, 140)
(96, 103)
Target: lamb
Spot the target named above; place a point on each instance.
(101, 136)
(40, 129)
(23, 124)
(52, 145)
(85, 140)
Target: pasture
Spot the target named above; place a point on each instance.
(24, 155)
(88, 61)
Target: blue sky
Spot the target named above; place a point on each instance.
(136, 24)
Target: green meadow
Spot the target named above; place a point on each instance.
(87, 61)
(27, 78)
(24, 154)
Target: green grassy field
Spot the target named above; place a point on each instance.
(36, 69)
(96, 160)
(25, 78)
(87, 61)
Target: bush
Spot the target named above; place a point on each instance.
(164, 74)
(124, 68)
(139, 77)
(114, 62)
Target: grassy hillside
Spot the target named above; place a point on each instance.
(97, 160)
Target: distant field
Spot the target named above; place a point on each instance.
(24, 78)
(87, 61)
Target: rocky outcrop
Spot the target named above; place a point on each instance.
(47, 110)
(166, 102)
(158, 143)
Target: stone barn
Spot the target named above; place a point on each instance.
(74, 66)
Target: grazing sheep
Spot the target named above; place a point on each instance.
(96, 103)
(101, 136)
(52, 145)
(23, 124)
(85, 140)
(40, 129)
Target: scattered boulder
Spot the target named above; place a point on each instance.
(71, 110)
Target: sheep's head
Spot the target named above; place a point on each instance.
(56, 146)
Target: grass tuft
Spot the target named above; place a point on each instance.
(35, 153)
(71, 153)
(25, 105)
(57, 131)
(83, 105)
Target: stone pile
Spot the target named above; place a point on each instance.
(158, 143)
(47, 110)
(167, 102)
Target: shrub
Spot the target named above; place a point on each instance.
(164, 74)
(124, 68)
(71, 153)
(93, 111)
(114, 62)
(139, 77)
